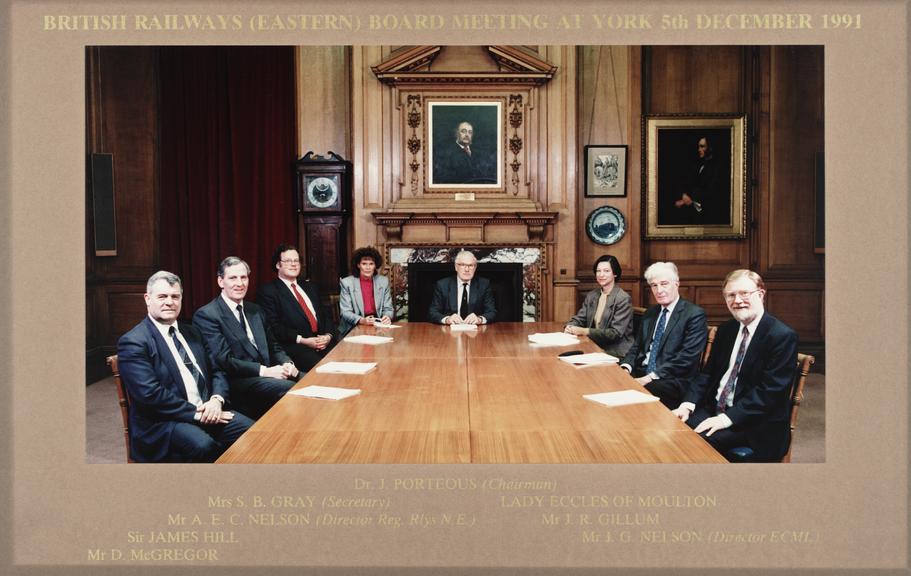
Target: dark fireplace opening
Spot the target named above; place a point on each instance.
(505, 281)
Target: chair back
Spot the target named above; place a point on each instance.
(124, 401)
(710, 337)
(804, 362)
(638, 313)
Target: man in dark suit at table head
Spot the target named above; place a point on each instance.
(242, 344)
(743, 395)
(294, 311)
(463, 298)
(177, 397)
(670, 340)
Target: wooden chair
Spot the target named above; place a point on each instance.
(710, 338)
(804, 362)
(124, 401)
(638, 312)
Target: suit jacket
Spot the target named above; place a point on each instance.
(762, 395)
(614, 333)
(158, 397)
(231, 350)
(287, 320)
(680, 348)
(453, 166)
(445, 300)
(351, 301)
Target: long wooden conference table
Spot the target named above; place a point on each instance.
(438, 396)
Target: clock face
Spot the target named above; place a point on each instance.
(322, 191)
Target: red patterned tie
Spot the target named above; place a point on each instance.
(300, 300)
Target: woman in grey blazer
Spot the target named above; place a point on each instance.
(365, 280)
(611, 327)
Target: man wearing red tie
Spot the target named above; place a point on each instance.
(743, 395)
(294, 312)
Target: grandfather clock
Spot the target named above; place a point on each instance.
(324, 205)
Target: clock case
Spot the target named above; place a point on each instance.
(323, 231)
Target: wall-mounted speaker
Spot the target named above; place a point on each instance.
(103, 204)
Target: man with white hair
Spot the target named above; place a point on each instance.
(743, 395)
(670, 340)
(463, 298)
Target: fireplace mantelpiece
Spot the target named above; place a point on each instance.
(531, 256)
(393, 223)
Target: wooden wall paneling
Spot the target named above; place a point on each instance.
(605, 102)
(322, 99)
(129, 105)
(801, 306)
(796, 133)
(121, 119)
(377, 180)
(695, 79)
(558, 101)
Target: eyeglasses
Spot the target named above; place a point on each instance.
(742, 294)
(294, 261)
(462, 265)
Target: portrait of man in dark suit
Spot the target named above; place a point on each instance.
(694, 177)
(465, 144)
(743, 395)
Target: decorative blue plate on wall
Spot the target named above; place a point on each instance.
(605, 225)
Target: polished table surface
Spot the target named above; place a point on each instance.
(438, 396)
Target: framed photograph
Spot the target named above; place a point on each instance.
(465, 145)
(694, 180)
(605, 170)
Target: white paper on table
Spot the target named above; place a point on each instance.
(552, 339)
(379, 324)
(590, 358)
(327, 392)
(463, 327)
(621, 398)
(346, 367)
(368, 339)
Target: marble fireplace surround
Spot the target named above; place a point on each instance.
(531, 255)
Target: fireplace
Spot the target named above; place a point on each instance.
(514, 272)
(505, 283)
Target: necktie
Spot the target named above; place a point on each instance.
(463, 306)
(467, 150)
(243, 325)
(240, 318)
(728, 389)
(300, 300)
(656, 341)
(185, 358)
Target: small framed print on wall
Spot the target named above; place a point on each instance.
(605, 170)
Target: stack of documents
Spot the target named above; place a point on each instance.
(463, 327)
(328, 392)
(589, 359)
(346, 367)
(368, 339)
(621, 398)
(552, 339)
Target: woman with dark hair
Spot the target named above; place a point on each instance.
(606, 315)
(365, 297)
